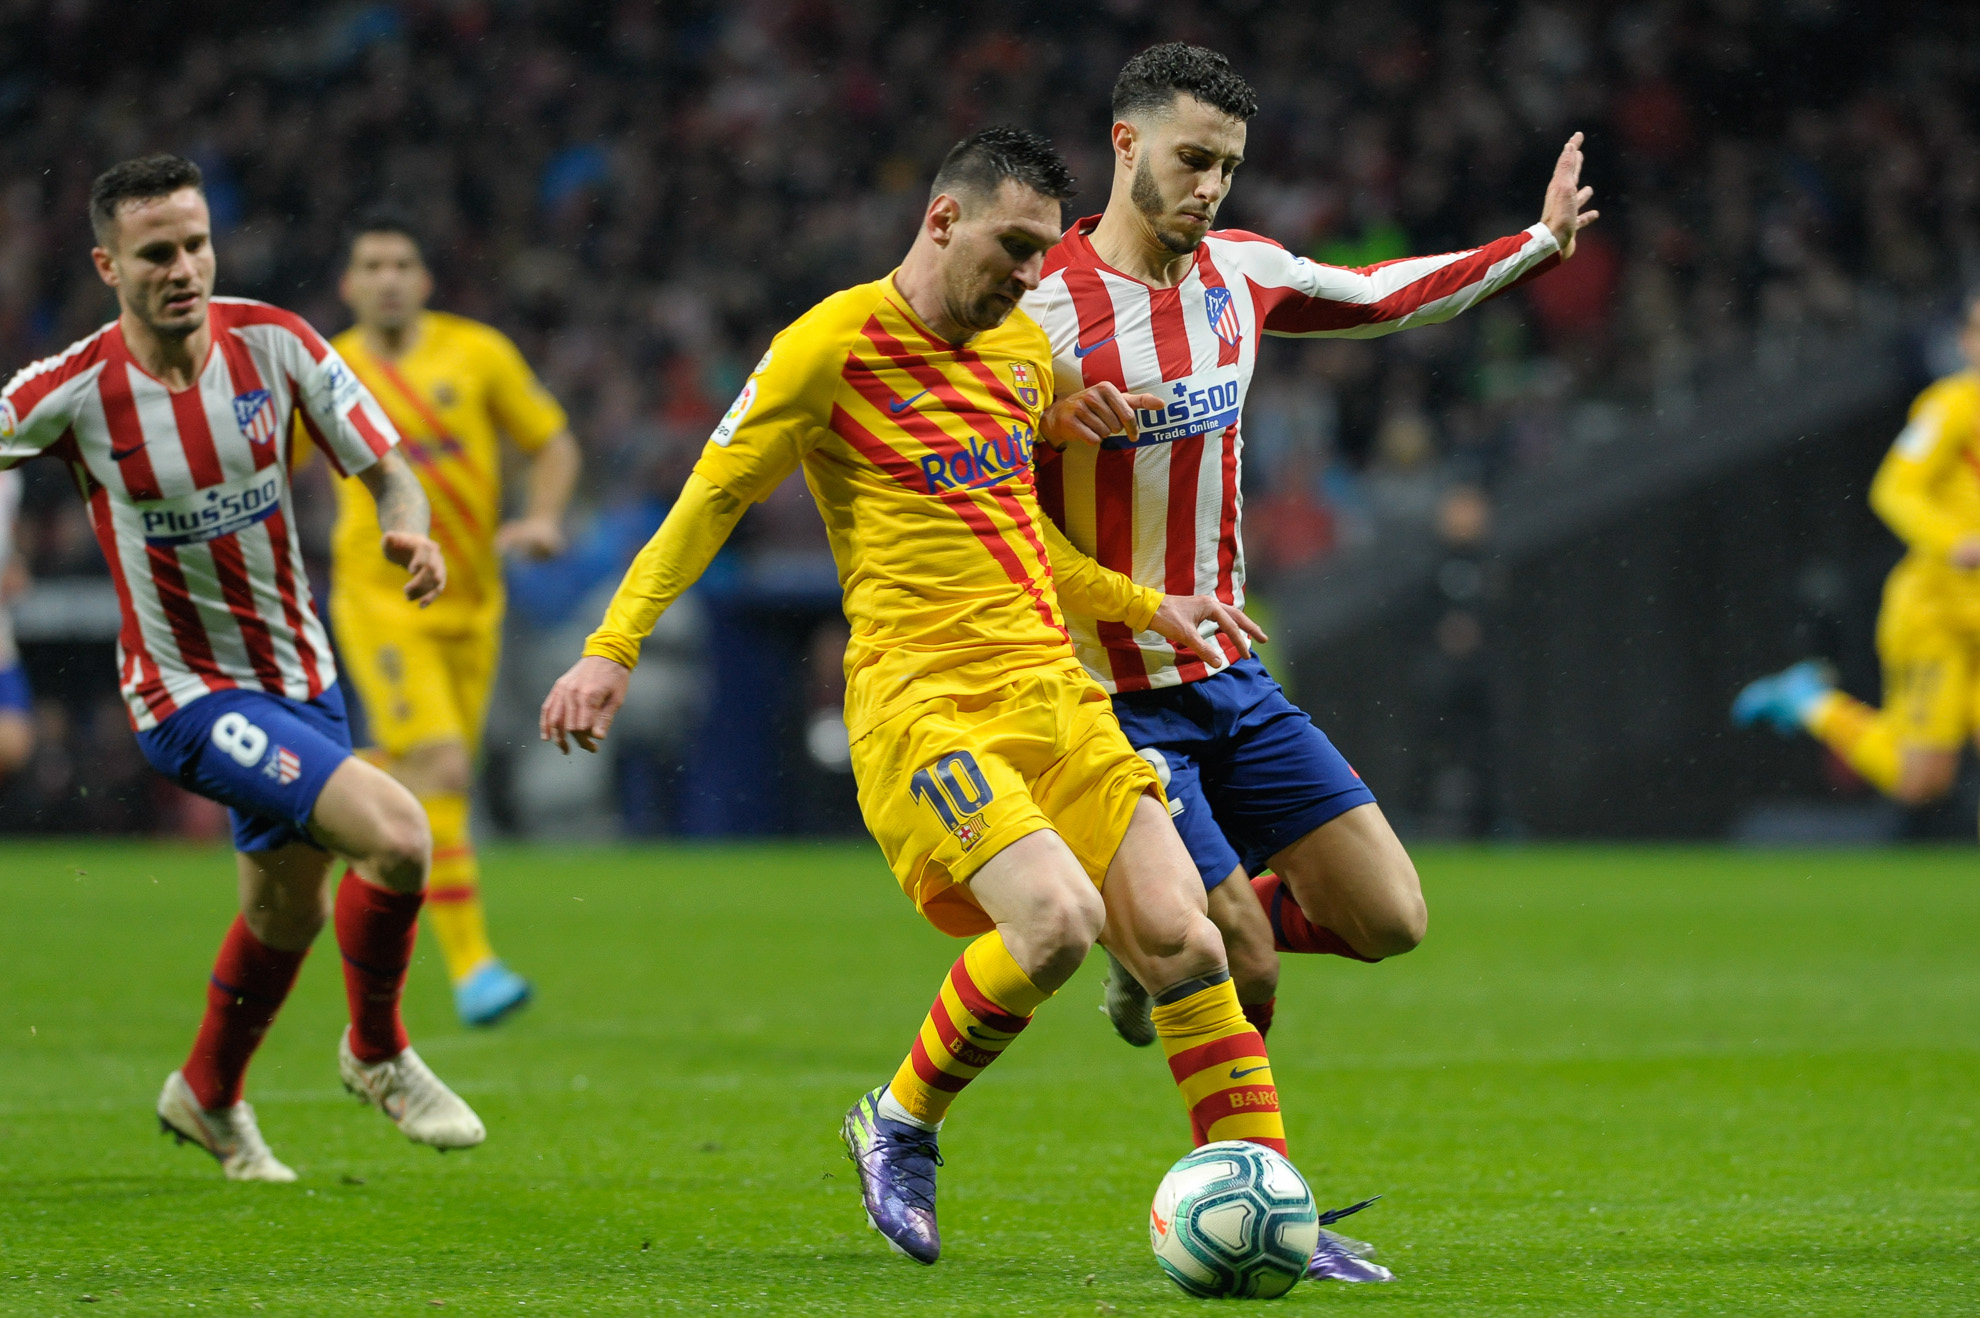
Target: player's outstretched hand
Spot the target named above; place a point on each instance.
(425, 565)
(534, 538)
(1192, 622)
(1091, 415)
(584, 702)
(1562, 211)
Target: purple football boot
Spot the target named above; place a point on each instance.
(1337, 1258)
(897, 1165)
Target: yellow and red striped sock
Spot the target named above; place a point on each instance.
(1862, 736)
(986, 1000)
(453, 888)
(1219, 1062)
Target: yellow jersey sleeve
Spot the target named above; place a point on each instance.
(1905, 491)
(679, 552)
(520, 404)
(783, 409)
(1094, 591)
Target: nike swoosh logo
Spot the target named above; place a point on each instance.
(119, 454)
(970, 1030)
(1239, 1075)
(1078, 351)
(900, 405)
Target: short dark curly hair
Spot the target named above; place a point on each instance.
(1151, 81)
(138, 180)
(383, 219)
(981, 162)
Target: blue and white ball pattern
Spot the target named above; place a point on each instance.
(1234, 1220)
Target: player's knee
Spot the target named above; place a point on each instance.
(1923, 781)
(402, 849)
(1066, 924)
(1395, 922)
(442, 768)
(1396, 930)
(1255, 971)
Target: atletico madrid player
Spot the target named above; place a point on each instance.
(1148, 297)
(172, 420)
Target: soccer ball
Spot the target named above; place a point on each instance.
(1234, 1220)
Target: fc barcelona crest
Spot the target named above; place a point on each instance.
(1222, 315)
(1027, 388)
(254, 413)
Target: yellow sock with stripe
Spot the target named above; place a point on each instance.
(986, 1000)
(1862, 736)
(453, 888)
(1219, 1061)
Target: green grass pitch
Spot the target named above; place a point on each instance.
(1613, 1081)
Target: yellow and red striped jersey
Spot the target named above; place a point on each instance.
(918, 453)
(1928, 488)
(453, 395)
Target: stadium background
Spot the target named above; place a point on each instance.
(1518, 564)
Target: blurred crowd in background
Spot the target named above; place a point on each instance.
(641, 194)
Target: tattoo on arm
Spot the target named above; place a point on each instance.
(401, 502)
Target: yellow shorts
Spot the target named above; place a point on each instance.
(418, 687)
(948, 783)
(1930, 651)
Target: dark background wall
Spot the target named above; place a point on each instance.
(1596, 704)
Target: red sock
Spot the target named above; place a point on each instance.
(375, 931)
(1291, 930)
(1260, 1015)
(250, 980)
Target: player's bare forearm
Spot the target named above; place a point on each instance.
(405, 517)
(548, 484)
(583, 703)
(395, 488)
(1191, 622)
(1561, 211)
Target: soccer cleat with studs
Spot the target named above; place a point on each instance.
(1784, 700)
(1339, 1258)
(405, 1089)
(489, 994)
(896, 1163)
(1126, 1004)
(229, 1133)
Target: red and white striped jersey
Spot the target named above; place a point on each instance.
(1165, 508)
(10, 511)
(190, 498)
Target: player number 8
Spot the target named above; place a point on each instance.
(241, 739)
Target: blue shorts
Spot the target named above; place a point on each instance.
(14, 693)
(1246, 766)
(264, 757)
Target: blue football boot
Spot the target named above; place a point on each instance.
(897, 1165)
(1337, 1258)
(1784, 700)
(489, 993)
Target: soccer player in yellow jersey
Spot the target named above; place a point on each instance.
(1928, 631)
(991, 769)
(454, 388)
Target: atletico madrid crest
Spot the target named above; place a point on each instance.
(284, 766)
(1222, 315)
(254, 413)
(1027, 390)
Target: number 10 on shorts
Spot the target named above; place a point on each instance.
(955, 789)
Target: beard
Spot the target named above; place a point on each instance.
(982, 313)
(1148, 200)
